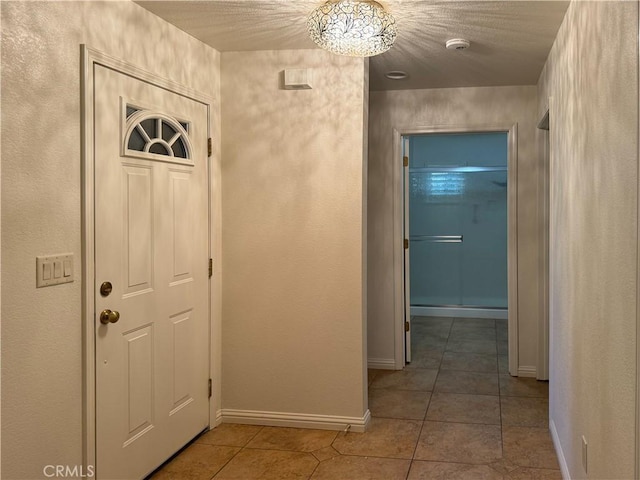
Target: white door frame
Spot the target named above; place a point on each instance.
(89, 58)
(512, 230)
(542, 370)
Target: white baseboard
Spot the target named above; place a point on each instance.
(525, 371)
(561, 458)
(497, 313)
(296, 420)
(381, 363)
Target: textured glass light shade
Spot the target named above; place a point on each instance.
(357, 28)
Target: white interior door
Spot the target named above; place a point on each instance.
(151, 245)
(407, 263)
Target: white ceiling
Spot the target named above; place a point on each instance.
(510, 40)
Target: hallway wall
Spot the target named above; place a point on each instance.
(453, 107)
(294, 238)
(41, 204)
(592, 76)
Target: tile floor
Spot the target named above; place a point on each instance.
(454, 413)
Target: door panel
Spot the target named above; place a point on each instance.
(138, 255)
(407, 255)
(151, 231)
(458, 221)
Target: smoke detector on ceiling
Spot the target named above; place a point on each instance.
(457, 44)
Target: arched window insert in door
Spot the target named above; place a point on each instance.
(154, 135)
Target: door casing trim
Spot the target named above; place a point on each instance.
(512, 230)
(88, 58)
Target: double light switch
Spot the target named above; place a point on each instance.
(54, 269)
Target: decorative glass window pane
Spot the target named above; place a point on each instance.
(179, 149)
(131, 110)
(149, 126)
(159, 149)
(153, 134)
(167, 132)
(136, 142)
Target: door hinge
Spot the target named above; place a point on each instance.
(209, 147)
(406, 243)
(210, 267)
(405, 161)
(210, 388)
(407, 326)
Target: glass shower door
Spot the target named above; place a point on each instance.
(458, 225)
(436, 238)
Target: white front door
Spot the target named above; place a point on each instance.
(151, 267)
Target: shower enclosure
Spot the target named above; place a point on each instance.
(458, 224)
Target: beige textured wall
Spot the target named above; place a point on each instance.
(591, 74)
(292, 199)
(452, 107)
(41, 204)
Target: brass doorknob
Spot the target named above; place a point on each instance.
(109, 316)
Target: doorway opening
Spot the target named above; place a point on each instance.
(456, 207)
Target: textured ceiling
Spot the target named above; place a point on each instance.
(510, 40)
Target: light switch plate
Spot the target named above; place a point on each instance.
(54, 269)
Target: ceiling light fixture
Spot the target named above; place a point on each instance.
(396, 75)
(357, 28)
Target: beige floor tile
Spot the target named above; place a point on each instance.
(421, 470)
(372, 374)
(439, 329)
(476, 322)
(486, 347)
(525, 411)
(418, 379)
(423, 357)
(482, 335)
(534, 474)
(470, 362)
(433, 321)
(464, 332)
(459, 443)
(504, 466)
(463, 408)
(362, 468)
(394, 403)
(452, 381)
(325, 453)
(252, 464)
(197, 462)
(502, 334)
(230, 434)
(385, 437)
(503, 364)
(292, 439)
(529, 447)
(429, 340)
(523, 387)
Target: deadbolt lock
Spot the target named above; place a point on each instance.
(109, 316)
(105, 289)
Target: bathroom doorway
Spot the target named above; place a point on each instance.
(459, 257)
